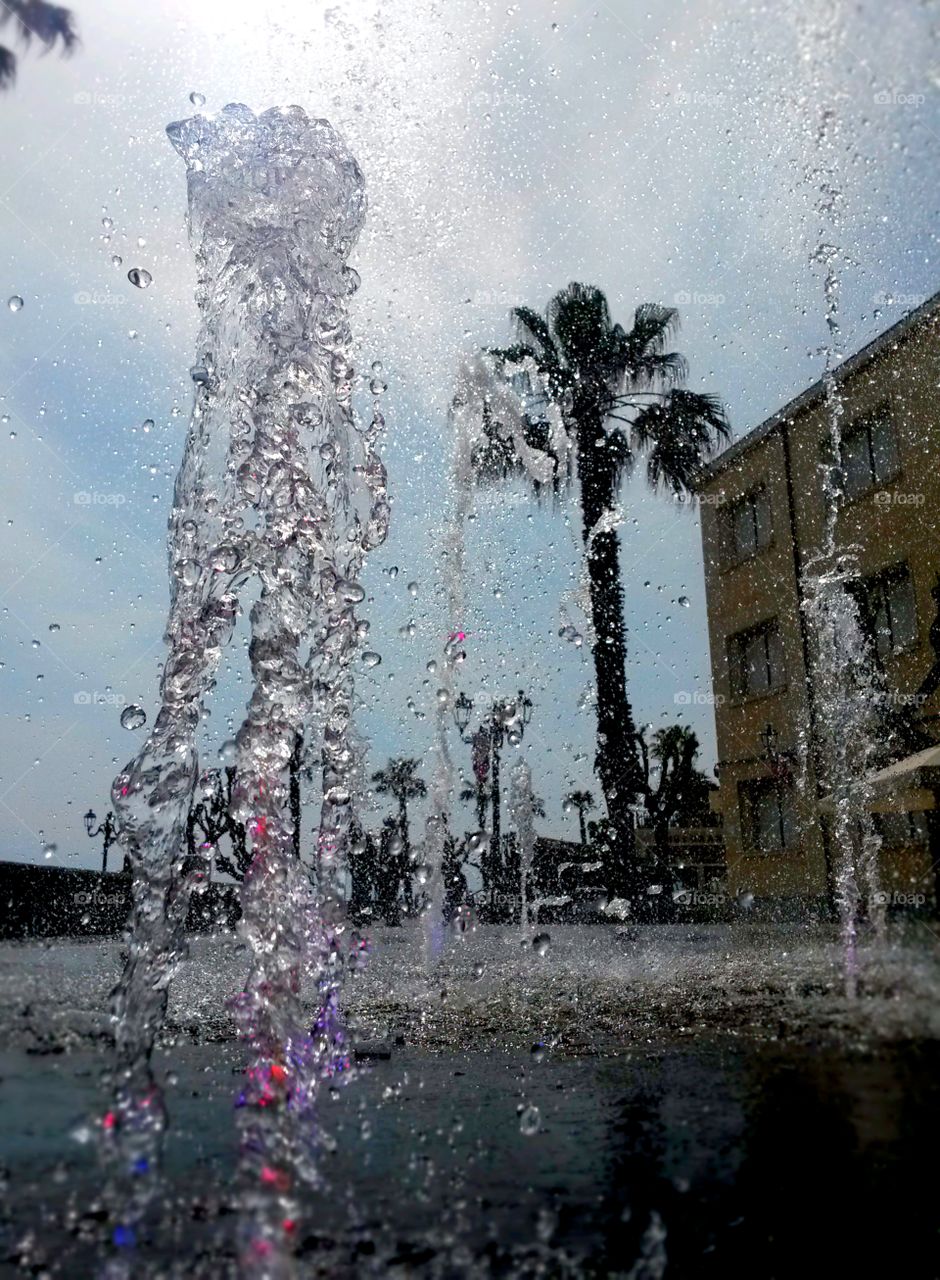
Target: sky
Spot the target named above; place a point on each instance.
(666, 153)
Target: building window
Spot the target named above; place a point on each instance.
(768, 816)
(748, 526)
(869, 454)
(755, 659)
(900, 830)
(889, 610)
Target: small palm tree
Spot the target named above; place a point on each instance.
(621, 397)
(681, 789)
(583, 801)
(400, 779)
(34, 20)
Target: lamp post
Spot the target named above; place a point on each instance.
(506, 717)
(106, 829)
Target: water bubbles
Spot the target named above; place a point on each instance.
(530, 1118)
(225, 559)
(371, 659)
(377, 367)
(413, 589)
(745, 900)
(147, 424)
(338, 795)
(541, 944)
(537, 1052)
(228, 752)
(15, 303)
(117, 260)
(393, 572)
(478, 971)
(350, 591)
(187, 571)
(197, 99)
(140, 278)
(133, 717)
(54, 626)
(684, 601)
(49, 850)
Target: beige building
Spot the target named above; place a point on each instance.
(763, 513)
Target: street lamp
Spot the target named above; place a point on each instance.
(107, 829)
(463, 706)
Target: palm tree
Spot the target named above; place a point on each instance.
(582, 801)
(620, 397)
(399, 779)
(34, 20)
(681, 790)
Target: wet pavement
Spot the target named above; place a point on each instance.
(716, 1158)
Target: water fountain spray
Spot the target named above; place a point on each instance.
(280, 492)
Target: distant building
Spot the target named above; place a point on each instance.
(763, 511)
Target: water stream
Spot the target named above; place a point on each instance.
(280, 493)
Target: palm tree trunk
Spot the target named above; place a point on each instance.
(581, 824)
(616, 762)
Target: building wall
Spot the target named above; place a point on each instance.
(894, 523)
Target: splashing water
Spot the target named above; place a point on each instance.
(844, 684)
(280, 487)
(522, 809)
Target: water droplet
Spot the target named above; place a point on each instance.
(529, 1120)
(48, 850)
(377, 386)
(350, 591)
(133, 717)
(537, 1052)
(139, 277)
(225, 559)
(15, 303)
(199, 374)
(147, 423)
(117, 260)
(412, 588)
(187, 571)
(478, 970)
(197, 99)
(376, 366)
(393, 571)
(685, 601)
(371, 659)
(541, 943)
(228, 751)
(54, 626)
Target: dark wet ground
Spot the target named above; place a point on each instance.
(713, 1159)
